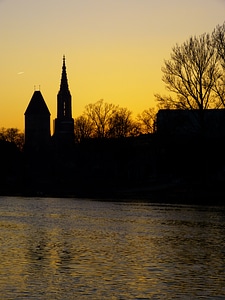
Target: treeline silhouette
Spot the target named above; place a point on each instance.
(106, 120)
(98, 159)
(149, 166)
(117, 156)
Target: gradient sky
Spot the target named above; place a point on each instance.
(114, 49)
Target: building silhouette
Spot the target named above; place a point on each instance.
(64, 123)
(37, 119)
(37, 124)
(179, 122)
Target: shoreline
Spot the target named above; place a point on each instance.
(203, 194)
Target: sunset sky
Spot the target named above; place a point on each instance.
(114, 49)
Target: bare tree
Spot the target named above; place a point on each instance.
(100, 113)
(218, 37)
(192, 73)
(121, 124)
(12, 135)
(167, 102)
(147, 120)
(83, 128)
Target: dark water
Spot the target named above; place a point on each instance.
(81, 249)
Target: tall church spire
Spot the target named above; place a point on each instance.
(64, 81)
(64, 96)
(64, 123)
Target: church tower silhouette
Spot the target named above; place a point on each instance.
(37, 119)
(64, 123)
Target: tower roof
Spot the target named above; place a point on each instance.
(64, 82)
(37, 105)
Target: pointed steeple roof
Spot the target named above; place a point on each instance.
(37, 105)
(64, 82)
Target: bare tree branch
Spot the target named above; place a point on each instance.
(192, 74)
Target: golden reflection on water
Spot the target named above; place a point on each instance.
(98, 250)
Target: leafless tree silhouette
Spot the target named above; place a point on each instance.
(218, 37)
(100, 113)
(12, 135)
(192, 73)
(147, 120)
(83, 128)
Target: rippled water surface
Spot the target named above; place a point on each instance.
(83, 249)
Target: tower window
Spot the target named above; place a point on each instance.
(64, 109)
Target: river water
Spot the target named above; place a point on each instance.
(83, 249)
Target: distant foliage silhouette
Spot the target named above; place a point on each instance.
(121, 124)
(218, 36)
(12, 135)
(147, 120)
(106, 120)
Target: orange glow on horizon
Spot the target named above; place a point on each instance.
(114, 50)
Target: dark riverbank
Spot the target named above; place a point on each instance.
(148, 168)
(171, 192)
(210, 194)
